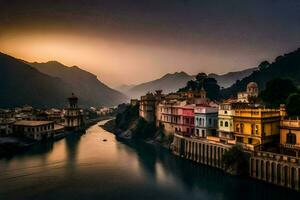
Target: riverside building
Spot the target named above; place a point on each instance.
(256, 128)
(290, 136)
(74, 119)
(37, 130)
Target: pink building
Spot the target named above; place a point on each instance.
(176, 116)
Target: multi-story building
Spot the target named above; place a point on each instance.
(290, 136)
(37, 130)
(6, 126)
(225, 122)
(74, 119)
(255, 128)
(188, 119)
(148, 104)
(206, 121)
(147, 107)
(176, 117)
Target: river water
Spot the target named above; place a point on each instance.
(86, 167)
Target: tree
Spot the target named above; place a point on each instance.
(209, 84)
(293, 105)
(236, 160)
(263, 65)
(277, 91)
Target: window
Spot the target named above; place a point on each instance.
(291, 138)
(242, 128)
(221, 123)
(209, 121)
(197, 131)
(237, 128)
(256, 129)
(226, 124)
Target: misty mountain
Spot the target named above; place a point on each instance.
(22, 84)
(84, 84)
(167, 83)
(286, 66)
(124, 88)
(172, 82)
(228, 79)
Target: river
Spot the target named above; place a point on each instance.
(86, 167)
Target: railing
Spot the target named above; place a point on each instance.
(276, 157)
(291, 146)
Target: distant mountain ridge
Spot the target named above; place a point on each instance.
(228, 79)
(83, 83)
(172, 82)
(21, 83)
(167, 83)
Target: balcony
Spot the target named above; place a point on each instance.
(291, 146)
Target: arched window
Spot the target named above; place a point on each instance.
(290, 138)
(221, 123)
(226, 124)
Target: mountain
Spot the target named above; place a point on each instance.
(228, 79)
(84, 84)
(167, 83)
(286, 66)
(172, 82)
(22, 84)
(124, 88)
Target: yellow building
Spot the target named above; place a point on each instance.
(255, 128)
(290, 136)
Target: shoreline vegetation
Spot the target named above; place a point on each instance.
(129, 125)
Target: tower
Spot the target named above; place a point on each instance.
(73, 116)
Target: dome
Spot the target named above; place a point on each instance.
(252, 85)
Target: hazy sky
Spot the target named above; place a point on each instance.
(132, 41)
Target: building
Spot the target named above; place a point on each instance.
(176, 117)
(37, 130)
(290, 136)
(225, 122)
(148, 103)
(250, 93)
(6, 114)
(187, 115)
(206, 121)
(6, 127)
(74, 119)
(54, 115)
(134, 102)
(256, 128)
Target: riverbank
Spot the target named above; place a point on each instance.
(110, 126)
(12, 145)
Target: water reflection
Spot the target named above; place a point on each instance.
(86, 167)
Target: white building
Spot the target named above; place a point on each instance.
(206, 121)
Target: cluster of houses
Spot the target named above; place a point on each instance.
(203, 130)
(38, 124)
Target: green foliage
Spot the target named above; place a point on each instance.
(287, 65)
(143, 129)
(277, 91)
(293, 105)
(263, 65)
(209, 84)
(125, 118)
(235, 159)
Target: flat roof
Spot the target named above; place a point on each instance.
(32, 123)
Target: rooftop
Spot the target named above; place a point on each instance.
(32, 123)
